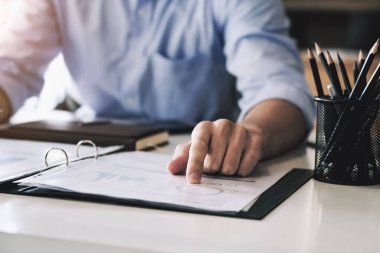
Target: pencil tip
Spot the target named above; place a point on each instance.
(317, 48)
(337, 54)
(361, 55)
(329, 58)
(375, 47)
(310, 53)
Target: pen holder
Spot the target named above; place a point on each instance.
(347, 142)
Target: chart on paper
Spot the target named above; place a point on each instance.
(143, 176)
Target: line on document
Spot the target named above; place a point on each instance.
(200, 189)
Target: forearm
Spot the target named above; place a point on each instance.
(278, 123)
(5, 107)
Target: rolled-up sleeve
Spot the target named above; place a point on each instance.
(263, 57)
(28, 43)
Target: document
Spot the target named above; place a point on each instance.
(143, 176)
(20, 158)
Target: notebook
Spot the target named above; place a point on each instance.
(103, 133)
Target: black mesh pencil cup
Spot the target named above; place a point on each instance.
(347, 142)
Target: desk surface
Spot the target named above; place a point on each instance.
(319, 217)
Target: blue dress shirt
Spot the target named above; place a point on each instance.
(178, 60)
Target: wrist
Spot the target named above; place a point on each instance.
(258, 138)
(5, 107)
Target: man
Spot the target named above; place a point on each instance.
(227, 64)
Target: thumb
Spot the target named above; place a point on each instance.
(179, 160)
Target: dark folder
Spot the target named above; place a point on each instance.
(128, 135)
(105, 133)
(267, 201)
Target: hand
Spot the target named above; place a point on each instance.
(218, 147)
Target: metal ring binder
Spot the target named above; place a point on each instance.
(60, 149)
(87, 142)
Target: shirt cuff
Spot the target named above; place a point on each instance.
(300, 98)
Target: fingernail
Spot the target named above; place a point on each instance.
(193, 178)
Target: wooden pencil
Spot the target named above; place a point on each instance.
(360, 82)
(334, 74)
(314, 69)
(343, 71)
(322, 57)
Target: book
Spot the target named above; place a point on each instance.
(103, 133)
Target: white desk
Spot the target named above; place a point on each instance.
(317, 218)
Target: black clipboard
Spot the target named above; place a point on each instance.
(267, 201)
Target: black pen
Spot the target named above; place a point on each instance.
(360, 82)
(314, 68)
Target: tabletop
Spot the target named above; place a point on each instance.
(319, 217)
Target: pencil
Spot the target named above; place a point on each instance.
(343, 71)
(314, 68)
(356, 71)
(370, 91)
(361, 59)
(334, 74)
(323, 60)
(360, 82)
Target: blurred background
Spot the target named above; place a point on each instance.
(338, 25)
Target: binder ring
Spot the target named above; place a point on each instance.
(87, 142)
(60, 149)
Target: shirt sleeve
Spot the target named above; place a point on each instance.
(28, 43)
(263, 57)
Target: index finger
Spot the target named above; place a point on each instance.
(200, 140)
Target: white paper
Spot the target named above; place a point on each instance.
(143, 176)
(19, 158)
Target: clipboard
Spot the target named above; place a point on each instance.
(267, 201)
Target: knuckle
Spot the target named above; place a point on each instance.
(244, 172)
(196, 161)
(200, 143)
(223, 122)
(246, 169)
(182, 148)
(228, 170)
(224, 126)
(230, 167)
(212, 165)
(213, 162)
(210, 170)
(202, 130)
(203, 125)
